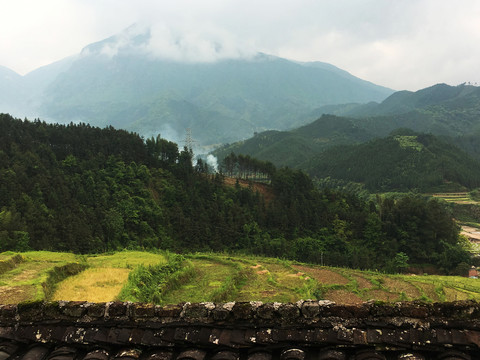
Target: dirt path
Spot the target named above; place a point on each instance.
(472, 233)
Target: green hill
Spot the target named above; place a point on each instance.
(291, 148)
(399, 163)
(220, 102)
(336, 147)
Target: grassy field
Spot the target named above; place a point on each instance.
(224, 278)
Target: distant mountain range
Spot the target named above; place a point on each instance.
(118, 82)
(440, 109)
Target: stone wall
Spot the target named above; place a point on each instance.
(242, 330)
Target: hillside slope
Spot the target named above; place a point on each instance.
(292, 148)
(400, 162)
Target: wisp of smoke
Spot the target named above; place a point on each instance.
(212, 162)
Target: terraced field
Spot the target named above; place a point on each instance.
(24, 281)
(219, 278)
(457, 198)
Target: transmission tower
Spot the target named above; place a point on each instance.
(189, 140)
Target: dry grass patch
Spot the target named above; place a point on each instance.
(262, 287)
(428, 290)
(285, 276)
(17, 294)
(343, 297)
(94, 284)
(126, 259)
(323, 276)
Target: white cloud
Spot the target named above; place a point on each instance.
(206, 44)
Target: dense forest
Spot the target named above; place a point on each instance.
(85, 189)
(402, 161)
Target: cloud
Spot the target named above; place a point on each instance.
(400, 44)
(199, 44)
(204, 43)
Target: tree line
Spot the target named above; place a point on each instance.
(246, 167)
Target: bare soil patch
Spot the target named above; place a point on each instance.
(472, 233)
(362, 282)
(264, 189)
(323, 276)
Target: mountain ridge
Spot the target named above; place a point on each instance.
(127, 81)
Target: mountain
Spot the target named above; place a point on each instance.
(11, 90)
(23, 94)
(134, 81)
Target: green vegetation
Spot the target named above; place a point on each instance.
(151, 283)
(219, 278)
(125, 259)
(294, 147)
(399, 163)
(335, 148)
(408, 160)
(9, 262)
(90, 190)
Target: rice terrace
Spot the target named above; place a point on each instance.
(210, 277)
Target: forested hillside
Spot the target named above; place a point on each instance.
(85, 189)
(400, 162)
(340, 148)
(293, 147)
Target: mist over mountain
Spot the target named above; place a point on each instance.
(155, 80)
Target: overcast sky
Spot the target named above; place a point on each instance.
(401, 44)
